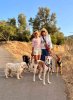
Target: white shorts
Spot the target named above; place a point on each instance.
(37, 52)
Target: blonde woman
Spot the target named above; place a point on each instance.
(46, 44)
(36, 46)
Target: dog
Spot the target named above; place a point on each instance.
(48, 62)
(15, 68)
(26, 59)
(42, 69)
(58, 64)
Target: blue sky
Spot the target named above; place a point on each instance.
(62, 8)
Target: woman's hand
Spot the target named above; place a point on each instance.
(32, 54)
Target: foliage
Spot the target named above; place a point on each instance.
(22, 21)
(48, 21)
(58, 38)
(12, 22)
(54, 39)
(25, 36)
(10, 30)
(6, 31)
(44, 19)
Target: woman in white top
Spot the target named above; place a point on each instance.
(46, 44)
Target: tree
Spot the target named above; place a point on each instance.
(12, 22)
(6, 31)
(25, 36)
(22, 21)
(44, 19)
(60, 38)
(23, 33)
(54, 38)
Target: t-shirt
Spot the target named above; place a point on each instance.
(36, 43)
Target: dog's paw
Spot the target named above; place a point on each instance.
(40, 79)
(49, 82)
(18, 78)
(33, 80)
(44, 84)
(6, 76)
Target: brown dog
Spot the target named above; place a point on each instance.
(58, 64)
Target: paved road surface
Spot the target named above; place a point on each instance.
(26, 89)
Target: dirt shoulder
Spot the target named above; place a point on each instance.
(68, 74)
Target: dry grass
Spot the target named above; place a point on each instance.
(68, 72)
(17, 49)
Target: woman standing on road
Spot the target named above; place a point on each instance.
(36, 46)
(46, 44)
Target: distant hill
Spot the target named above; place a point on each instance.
(69, 40)
(71, 36)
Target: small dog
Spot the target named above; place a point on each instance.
(15, 68)
(42, 69)
(26, 59)
(58, 64)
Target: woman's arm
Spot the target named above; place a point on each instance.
(32, 47)
(49, 41)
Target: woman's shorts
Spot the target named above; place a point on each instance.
(44, 53)
(37, 52)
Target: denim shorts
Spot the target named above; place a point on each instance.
(44, 53)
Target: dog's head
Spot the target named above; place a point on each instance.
(47, 58)
(24, 65)
(26, 59)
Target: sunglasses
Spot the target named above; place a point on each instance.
(43, 31)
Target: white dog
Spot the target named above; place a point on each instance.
(48, 62)
(42, 69)
(16, 68)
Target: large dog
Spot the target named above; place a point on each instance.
(15, 68)
(42, 69)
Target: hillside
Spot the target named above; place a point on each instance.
(68, 67)
(17, 49)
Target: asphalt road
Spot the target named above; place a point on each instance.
(25, 88)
